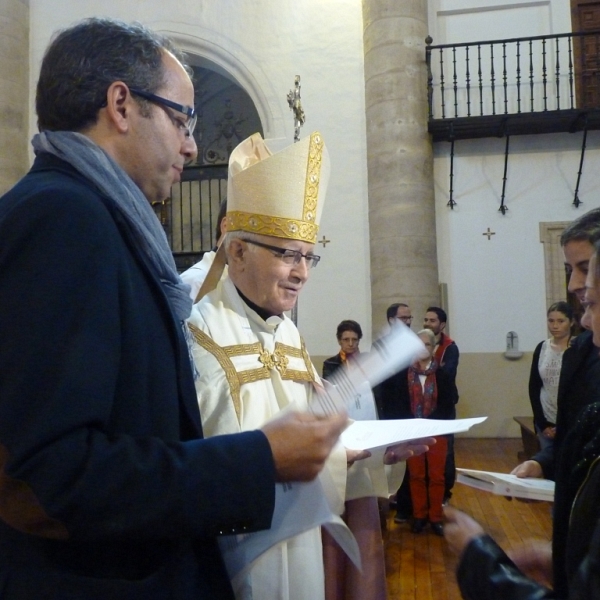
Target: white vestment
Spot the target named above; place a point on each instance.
(195, 275)
(250, 370)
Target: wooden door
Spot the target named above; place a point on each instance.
(585, 17)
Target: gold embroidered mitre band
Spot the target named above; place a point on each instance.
(279, 194)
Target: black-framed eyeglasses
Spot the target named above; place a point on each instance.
(289, 256)
(404, 318)
(188, 125)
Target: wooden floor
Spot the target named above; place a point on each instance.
(420, 566)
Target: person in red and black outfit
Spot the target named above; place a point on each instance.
(446, 355)
(423, 391)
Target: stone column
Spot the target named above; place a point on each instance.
(400, 158)
(14, 91)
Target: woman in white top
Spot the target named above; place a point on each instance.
(545, 371)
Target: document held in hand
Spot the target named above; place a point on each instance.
(369, 435)
(504, 484)
(298, 508)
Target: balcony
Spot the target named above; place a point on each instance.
(519, 86)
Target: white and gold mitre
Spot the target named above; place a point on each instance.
(279, 194)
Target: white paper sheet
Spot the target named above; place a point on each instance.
(299, 507)
(367, 435)
(351, 384)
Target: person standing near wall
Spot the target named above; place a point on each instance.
(400, 501)
(348, 334)
(446, 354)
(399, 311)
(545, 371)
(423, 391)
(579, 386)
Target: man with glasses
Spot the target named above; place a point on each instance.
(400, 312)
(108, 489)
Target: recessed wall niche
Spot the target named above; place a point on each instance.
(226, 115)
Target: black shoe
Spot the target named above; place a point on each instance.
(400, 517)
(438, 529)
(418, 525)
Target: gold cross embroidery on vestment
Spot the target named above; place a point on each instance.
(278, 360)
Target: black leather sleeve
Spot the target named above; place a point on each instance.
(486, 573)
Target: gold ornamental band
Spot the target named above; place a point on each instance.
(313, 177)
(291, 229)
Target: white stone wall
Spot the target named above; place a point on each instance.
(14, 100)
(498, 286)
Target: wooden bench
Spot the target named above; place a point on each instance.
(531, 444)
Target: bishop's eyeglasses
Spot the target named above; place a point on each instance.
(289, 256)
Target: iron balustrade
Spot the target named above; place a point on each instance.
(189, 215)
(541, 84)
(487, 81)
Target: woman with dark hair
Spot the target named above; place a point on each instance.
(545, 371)
(349, 334)
(343, 581)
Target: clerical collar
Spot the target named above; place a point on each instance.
(261, 312)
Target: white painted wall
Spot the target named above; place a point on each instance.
(263, 45)
(456, 21)
(498, 286)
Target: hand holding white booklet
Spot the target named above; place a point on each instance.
(505, 484)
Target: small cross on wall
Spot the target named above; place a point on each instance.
(324, 241)
(489, 234)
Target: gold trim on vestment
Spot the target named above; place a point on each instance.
(280, 227)
(278, 360)
(290, 350)
(294, 375)
(252, 375)
(230, 373)
(243, 349)
(309, 366)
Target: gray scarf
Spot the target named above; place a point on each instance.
(98, 167)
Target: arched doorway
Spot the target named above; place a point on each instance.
(226, 116)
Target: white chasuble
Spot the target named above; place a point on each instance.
(250, 370)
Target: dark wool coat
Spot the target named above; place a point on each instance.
(106, 488)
